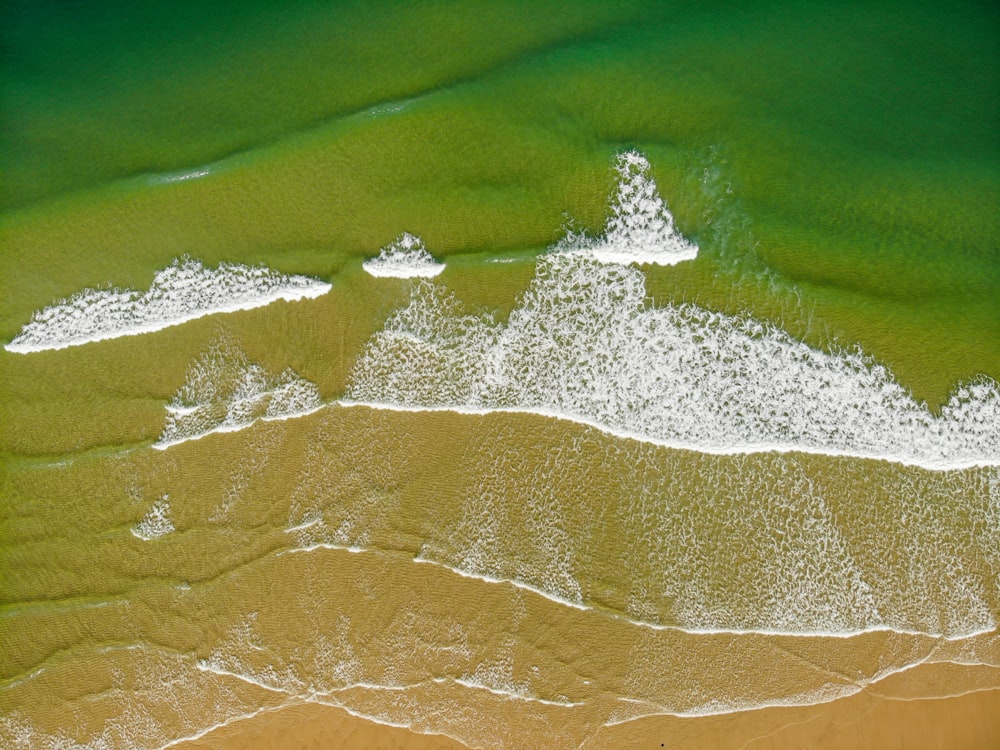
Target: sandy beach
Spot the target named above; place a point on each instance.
(861, 722)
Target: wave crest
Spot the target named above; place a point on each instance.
(582, 345)
(224, 392)
(182, 291)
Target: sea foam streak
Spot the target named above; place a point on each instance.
(182, 291)
(404, 258)
(582, 344)
(224, 392)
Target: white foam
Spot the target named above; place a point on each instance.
(192, 174)
(508, 581)
(225, 392)
(514, 695)
(583, 345)
(845, 633)
(182, 291)
(641, 228)
(406, 257)
(156, 522)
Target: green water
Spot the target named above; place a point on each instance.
(846, 154)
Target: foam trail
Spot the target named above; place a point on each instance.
(406, 257)
(182, 291)
(583, 345)
(844, 634)
(225, 392)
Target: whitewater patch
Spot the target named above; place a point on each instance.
(183, 291)
(224, 392)
(406, 257)
(582, 344)
(156, 522)
(640, 228)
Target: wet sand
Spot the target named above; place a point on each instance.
(861, 721)
(312, 725)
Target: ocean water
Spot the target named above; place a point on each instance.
(506, 371)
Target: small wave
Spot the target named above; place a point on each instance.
(406, 257)
(183, 291)
(641, 228)
(225, 392)
(156, 522)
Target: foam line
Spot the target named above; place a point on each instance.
(582, 607)
(710, 449)
(822, 696)
(516, 584)
(162, 445)
(583, 345)
(183, 291)
(225, 392)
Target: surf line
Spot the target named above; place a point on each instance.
(621, 617)
(709, 448)
(706, 449)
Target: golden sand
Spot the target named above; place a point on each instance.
(865, 720)
(316, 726)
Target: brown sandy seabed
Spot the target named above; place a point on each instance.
(951, 702)
(865, 720)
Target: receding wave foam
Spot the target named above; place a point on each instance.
(582, 344)
(183, 291)
(224, 392)
(405, 257)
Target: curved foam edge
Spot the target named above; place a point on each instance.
(820, 696)
(715, 450)
(582, 607)
(163, 445)
(224, 392)
(34, 336)
(582, 344)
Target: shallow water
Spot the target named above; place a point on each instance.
(768, 465)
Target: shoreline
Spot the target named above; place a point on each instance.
(862, 720)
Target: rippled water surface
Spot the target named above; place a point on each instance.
(506, 371)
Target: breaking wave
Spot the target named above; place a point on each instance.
(640, 228)
(583, 345)
(224, 392)
(182, 291)
(406, 257)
